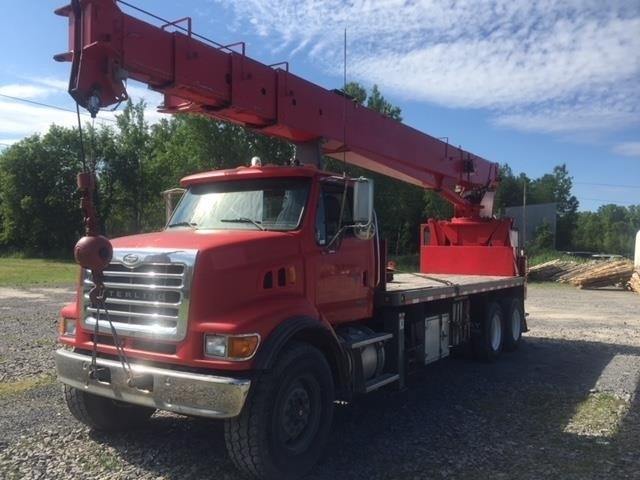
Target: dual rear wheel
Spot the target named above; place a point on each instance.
(500, 328)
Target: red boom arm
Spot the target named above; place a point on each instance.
(107, 46)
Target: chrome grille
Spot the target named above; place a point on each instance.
(147, 294)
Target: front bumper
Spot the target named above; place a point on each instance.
(181, 392)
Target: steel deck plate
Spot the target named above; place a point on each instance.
(411, 288)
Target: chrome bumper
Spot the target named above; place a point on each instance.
(180, 392)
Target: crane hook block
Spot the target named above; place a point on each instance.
(93, 252)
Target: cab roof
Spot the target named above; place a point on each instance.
(267, 171)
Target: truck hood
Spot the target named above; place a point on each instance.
(231, 247)
(234, 270)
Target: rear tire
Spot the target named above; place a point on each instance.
(513, 323)
(105, 414)
(286, 420)
(487, 344)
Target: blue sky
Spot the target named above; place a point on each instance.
(532, 84)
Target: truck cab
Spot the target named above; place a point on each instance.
(250, 255)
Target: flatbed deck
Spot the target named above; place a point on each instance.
(410, 288)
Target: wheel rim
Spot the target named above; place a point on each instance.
(516, 324)
(299, 416)
(496, 332)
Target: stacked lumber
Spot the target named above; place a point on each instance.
(591, 274)
(604, 275)
(558, 270)
(634, 283)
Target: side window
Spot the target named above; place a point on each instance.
(331, 214)
(321, 226)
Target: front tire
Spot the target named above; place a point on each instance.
(286, 420)
(105, 414)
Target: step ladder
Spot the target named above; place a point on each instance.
(383, 378)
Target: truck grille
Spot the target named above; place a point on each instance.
(147, 294)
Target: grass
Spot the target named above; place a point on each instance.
(20, 386)
(599, 415)
(548, 255)
(20, 272)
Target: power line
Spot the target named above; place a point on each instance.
(40, 104)
(617, 202)
(606, 185)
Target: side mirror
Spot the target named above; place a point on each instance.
(363, 202)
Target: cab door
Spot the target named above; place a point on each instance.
(343, 264)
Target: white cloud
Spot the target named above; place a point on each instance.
(24, 91)
(55, 84)
(567, 118)
(628, 149)
(569, 67)
(548, 65)
(20, 117)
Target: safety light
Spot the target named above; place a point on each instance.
(67, 327)
(231, 347)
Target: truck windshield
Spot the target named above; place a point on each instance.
(256, 204)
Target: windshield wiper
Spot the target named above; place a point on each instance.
(182, 224)
(244, 220)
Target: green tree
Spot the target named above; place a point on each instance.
(399, 206)
(618, 233)
(122, 171)
(588, 236)
(435, 206)
(378, 103)
(556, 188)
(187, 144)
(542, 240)
(611, 229)
(566, 207)
(511, 191)
(356, 91)
(39, 204)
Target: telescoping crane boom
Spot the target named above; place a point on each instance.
(108, 46)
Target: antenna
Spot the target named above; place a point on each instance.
(344, 100)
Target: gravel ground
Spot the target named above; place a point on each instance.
(564, 406)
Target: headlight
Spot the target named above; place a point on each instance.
(231, 347)
(67, 327)
(215, 345)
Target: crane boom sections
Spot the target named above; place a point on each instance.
(107, 46)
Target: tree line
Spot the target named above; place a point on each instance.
(135, 162)
(611, 229)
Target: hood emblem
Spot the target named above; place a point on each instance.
(130, 259)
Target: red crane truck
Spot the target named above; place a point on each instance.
(265, 299)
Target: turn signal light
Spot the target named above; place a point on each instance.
(231, 347)
(243, 347)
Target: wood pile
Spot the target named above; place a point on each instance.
(604, 275)
(558, 270)
(591, 274)
(634, 283)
